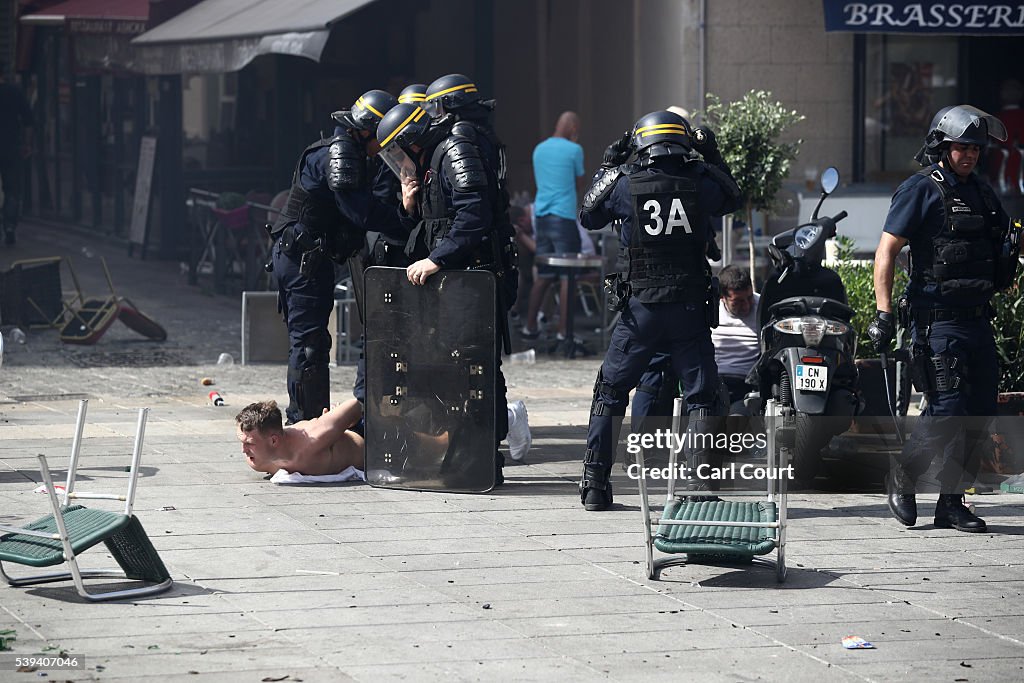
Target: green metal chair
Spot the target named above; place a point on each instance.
(717, 530)
(70, 530)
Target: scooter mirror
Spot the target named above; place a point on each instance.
(829, 180)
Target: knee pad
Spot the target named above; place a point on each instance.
(316, 346)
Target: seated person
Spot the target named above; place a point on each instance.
(323, 445)
(736, 338)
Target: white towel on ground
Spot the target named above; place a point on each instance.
(348, 474)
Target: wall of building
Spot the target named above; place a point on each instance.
(613, 61)
(783, 47)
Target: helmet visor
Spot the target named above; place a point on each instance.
(433, 107)
(398, 161)
(957, 121)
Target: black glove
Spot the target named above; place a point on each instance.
(704, 142)
(616, 153)
(881, 330)
(713, 251)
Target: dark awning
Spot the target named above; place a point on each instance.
(958, 17)
(123, 17)
(218, 36)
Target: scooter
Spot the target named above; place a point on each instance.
(805, 374)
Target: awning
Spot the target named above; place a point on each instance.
(123, 17)
(957, 17)
(218, 36)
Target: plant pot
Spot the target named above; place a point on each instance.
(1007, 436)
(872, 384)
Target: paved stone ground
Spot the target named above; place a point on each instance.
(349, 582)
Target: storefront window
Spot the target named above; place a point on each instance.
(908, 79)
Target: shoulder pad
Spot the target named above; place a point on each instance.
(600, 187)
(463, 166)
(465, 129)
(346, 164)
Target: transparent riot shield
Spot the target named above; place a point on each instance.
(430, 380)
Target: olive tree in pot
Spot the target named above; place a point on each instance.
(748, 133)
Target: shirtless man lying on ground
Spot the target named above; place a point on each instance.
(319, 446)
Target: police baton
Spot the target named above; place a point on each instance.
(889, 395)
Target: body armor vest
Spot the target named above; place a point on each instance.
(665, 260)
(497, 251)
(319, 216)
(963, 254)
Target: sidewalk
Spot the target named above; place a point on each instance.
(349, 582)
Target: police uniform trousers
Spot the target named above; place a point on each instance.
(956, 421)
(643, 330)
(306, 303)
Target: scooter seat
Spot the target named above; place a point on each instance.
(810, 305)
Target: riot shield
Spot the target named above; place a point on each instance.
(430, 380)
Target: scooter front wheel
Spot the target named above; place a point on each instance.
(812, 435)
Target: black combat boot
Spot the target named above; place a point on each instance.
(596, 485)
(900, 490)
(951, 513)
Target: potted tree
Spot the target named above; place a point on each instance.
(749, 132)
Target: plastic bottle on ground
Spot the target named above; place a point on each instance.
(528, 357)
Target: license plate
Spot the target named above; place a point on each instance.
(811, 378)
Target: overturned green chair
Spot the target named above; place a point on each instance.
(70, 530)
(717, 531)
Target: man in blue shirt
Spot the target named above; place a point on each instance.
(557, 163)
(956, 229)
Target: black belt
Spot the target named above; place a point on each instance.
(933, 315)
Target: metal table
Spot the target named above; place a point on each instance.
(570, 264)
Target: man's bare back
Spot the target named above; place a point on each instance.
(319, 446)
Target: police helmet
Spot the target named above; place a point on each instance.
(963, 124)
(662, 133)
(367, 111)
(415, 93)
(405, 124)
(450, 93)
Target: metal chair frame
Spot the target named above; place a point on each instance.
(74, 572)
(776, 493)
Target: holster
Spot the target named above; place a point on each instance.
(711, 311)
(941, 372)
(617, 290)
(303, 246)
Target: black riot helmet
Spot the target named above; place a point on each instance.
(662, 133)
(449, 94)
(367, 111)
(963, 124)
(405, 125)
(415, 93)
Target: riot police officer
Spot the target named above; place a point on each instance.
(956, 229)
(664, 201)
(385, 241)
(323, 222)
(453, 185)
